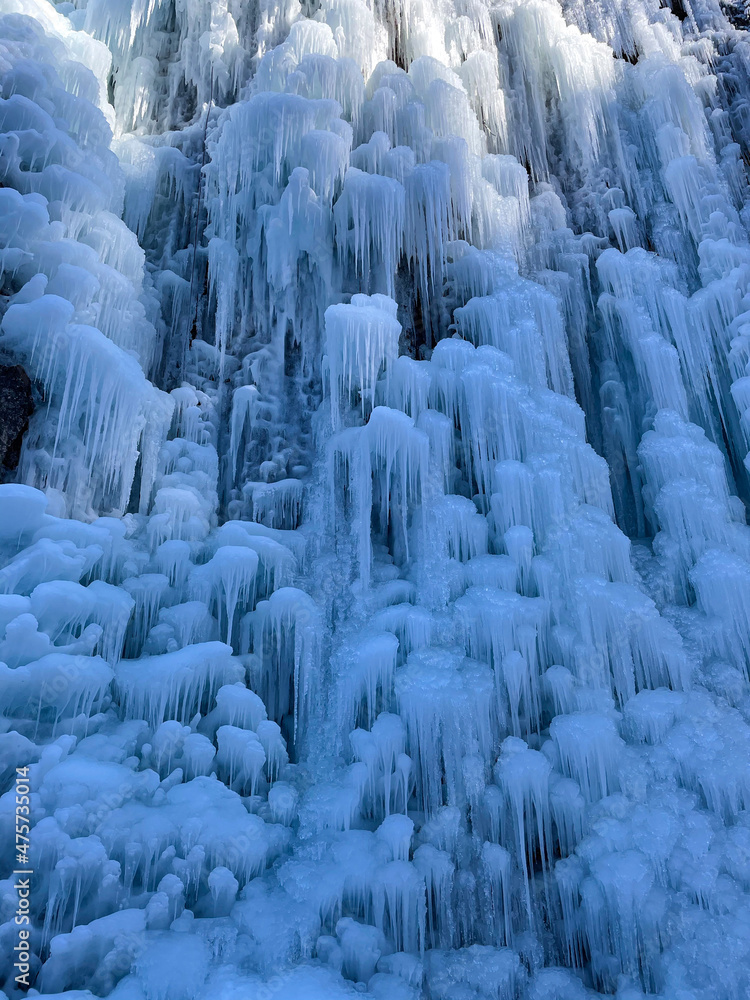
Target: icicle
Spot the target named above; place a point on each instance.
(236, 706)
(366, 678)
(241, 757)
(244, 403)
(721, 582)
(175, 684)
(496, 871)
(361, 338)
(227, 581)
(287, 638)
(382, 751)
(446, 703)
(589, 748)
(523, 776)
(369, 218)
(399, 905)
(437, 870)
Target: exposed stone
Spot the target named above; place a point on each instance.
(16, 406)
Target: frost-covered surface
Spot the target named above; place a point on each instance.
(375, 583)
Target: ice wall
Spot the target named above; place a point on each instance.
(374, 581)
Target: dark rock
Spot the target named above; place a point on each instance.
(737, 12)
(16, 406)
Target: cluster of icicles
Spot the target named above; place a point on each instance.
(375, 582)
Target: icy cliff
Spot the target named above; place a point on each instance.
(375, 575)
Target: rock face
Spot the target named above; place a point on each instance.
(16, 406)
(737, 13)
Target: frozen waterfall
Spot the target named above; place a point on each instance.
(374, 566)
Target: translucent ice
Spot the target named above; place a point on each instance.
(374, 566)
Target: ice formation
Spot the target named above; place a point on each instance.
(375, 575)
